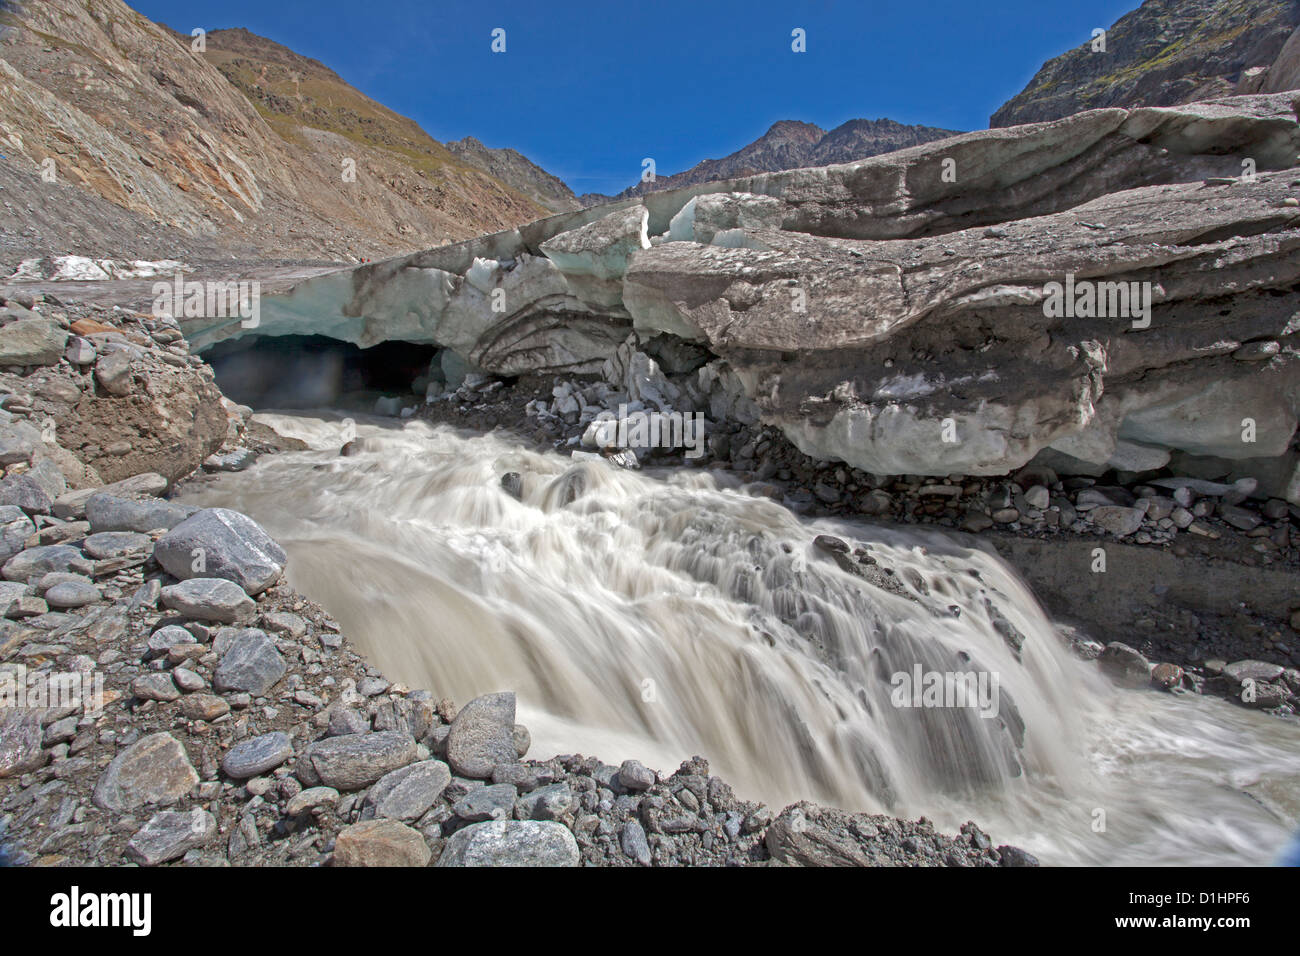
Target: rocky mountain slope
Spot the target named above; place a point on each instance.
(1168, 52)
(518, 172)
(246, 144)
(791, 144)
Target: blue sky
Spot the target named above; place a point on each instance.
(588, 89)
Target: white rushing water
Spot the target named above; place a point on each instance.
(657, 616)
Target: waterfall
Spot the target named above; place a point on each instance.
(660, 615)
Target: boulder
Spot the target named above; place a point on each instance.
(482, 736)
(220, 543)
(511, 843)
(251, 663)
(153, 770)
(380, 843)
(210, 599)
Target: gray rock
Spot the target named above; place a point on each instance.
(634, 776)
(354, 761)
(1118, 520)
(171, 834)
(408, 793)
(15, 529)
(632, 839)
(1259, 671)
(25, 492)
(1125, 664)
(555, 802)
(11, 591)
(511, 843)
(210, 599)
(161, 640)
(153, 770)
(482, 736)
(69, 594)
(252, 757)
(115, 544)
(79, 351)
(108, 512)
(19, 441)
(495, 802)
(231, 545)
(1240, 518)
(347, 720)
(113, 372)
(41, 560)
(33, 341)
(252, 663)
(20, 742)
(159, 687)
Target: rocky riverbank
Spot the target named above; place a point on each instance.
(170, 698)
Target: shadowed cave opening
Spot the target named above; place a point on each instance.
(313, 371)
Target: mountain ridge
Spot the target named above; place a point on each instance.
(792, 144)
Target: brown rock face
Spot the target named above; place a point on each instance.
(237, 145)
(168, 419)
(380, 843)
(1164, 53)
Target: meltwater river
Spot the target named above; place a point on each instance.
(661, 615)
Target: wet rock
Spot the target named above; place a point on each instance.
(380, 843)
(511, 843)
(1238, 672)
(1014, 856)
(253, 757)
(154, 770)
(232, 546)
(1125, 664)
(482, 736)
(210, 599)
(513, 485)
(1167, 676)
(169, 835)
